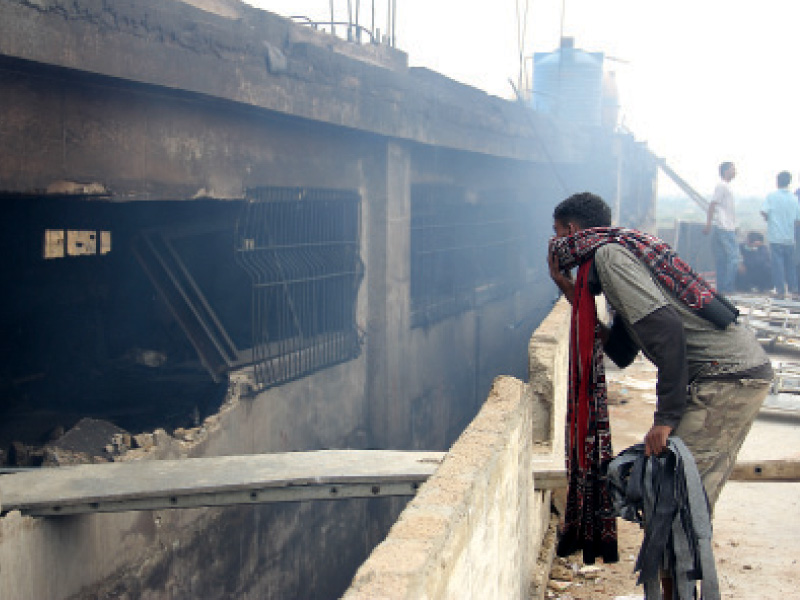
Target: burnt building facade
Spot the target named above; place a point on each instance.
(225, 233)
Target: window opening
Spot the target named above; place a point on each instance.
(464, 251)
(59, 243)
(158, 253)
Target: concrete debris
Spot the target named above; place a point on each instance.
(75, 188)
(22, 455)
(187, 435)
(122, 441)
(565, 573)
(54, 457)
(590, 571)
(561, 573)
(559, 586)
(144, 441)
(161, 437)
(90, 440)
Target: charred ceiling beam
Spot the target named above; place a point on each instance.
(262, 60)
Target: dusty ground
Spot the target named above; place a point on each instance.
(756, 526)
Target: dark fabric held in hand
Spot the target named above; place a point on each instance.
(665, 495)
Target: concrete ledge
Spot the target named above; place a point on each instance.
(548, 361)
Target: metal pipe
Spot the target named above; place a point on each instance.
(349, 20)
(394, 20)
(388, 21)
(344, 23)
(333, 28)
(358, 30)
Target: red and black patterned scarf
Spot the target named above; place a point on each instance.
(589, 523)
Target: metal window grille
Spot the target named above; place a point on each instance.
(300, 248)
(463, 253)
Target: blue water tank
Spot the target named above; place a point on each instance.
(568, 84)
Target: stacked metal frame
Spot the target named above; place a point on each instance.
(301, 250)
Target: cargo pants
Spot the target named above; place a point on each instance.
(718, 417)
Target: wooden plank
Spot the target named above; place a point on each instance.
(214, 481)
(767, 470)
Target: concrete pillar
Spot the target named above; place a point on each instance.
(398, 294)
(387, 219)
(387, 211)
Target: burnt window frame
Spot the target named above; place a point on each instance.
(315, 281)
(281, 246)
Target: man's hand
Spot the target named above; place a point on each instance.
(552, 263)
(655, 442)
(561, 279)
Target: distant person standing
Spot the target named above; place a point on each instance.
(722, 213)
(781, 210)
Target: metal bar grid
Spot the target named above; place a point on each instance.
(463, 252)
(774, 321)
(300, 248)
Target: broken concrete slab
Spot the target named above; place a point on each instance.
(87, 439)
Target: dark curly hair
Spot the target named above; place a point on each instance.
(585, 209)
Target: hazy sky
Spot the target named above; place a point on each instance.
(702, 80)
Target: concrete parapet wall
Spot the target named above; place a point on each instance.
(476, 527)
(548, 361)
(464, 534)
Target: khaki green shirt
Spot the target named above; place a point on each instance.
(633, 292)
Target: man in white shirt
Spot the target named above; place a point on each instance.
(722, 213)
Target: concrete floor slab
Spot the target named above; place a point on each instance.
(153, 484)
